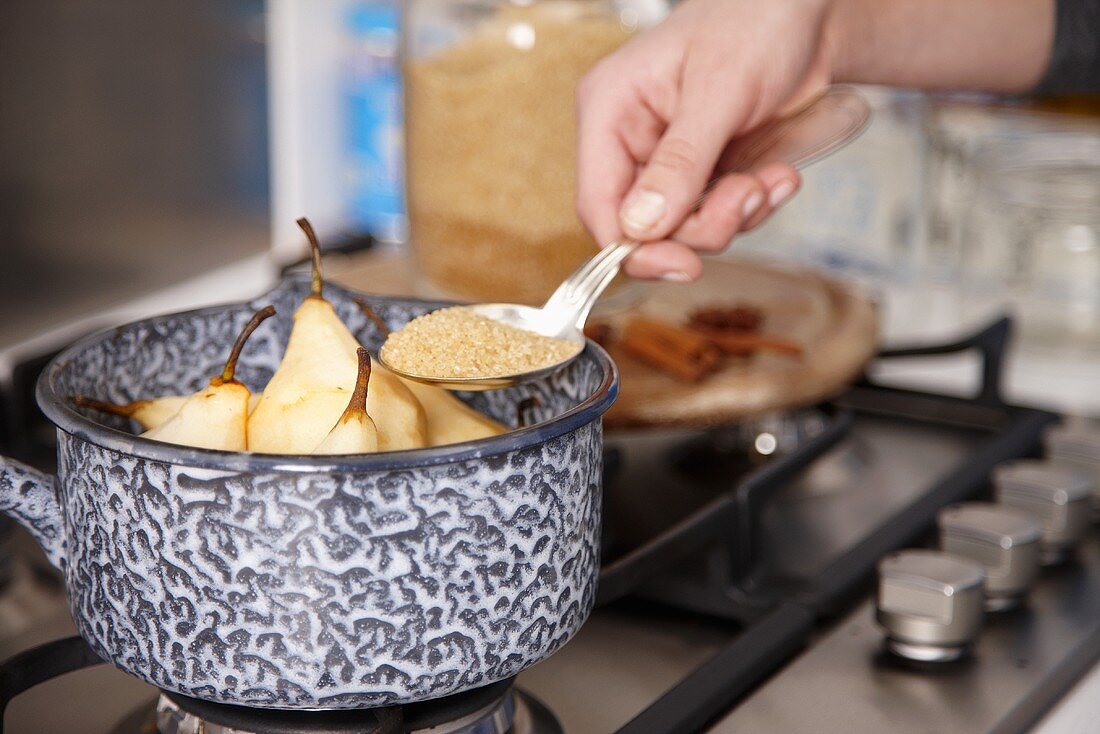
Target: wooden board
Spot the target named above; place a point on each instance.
(835, 322)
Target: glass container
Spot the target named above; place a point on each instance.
(490, 136)
(1033, 235)
(858, 212)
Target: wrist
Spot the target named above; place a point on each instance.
(846, 37)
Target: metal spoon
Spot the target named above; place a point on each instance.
(810, 134)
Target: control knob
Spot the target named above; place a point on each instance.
(1003, 539)
(1057, 496)
(930, 604)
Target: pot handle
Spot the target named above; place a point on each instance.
(28, 496)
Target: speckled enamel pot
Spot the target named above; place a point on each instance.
(313, 582)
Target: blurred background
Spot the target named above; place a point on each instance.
(154, 156)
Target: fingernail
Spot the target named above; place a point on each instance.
(676, 276)
(780, 193)
(752, 203)
(644, 210)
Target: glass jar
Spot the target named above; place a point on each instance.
(1033, 236)
(490, 138)
(858, 211)
(958, 128)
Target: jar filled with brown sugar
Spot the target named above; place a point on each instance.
(490, 138)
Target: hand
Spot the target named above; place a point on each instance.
(655, 117)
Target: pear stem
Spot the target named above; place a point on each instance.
(126, 411)
(315, 253)
(358, 402)
(231, 364)
(371, 314)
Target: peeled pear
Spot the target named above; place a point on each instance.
(402, 423)
(215, 417)
(149, 413)
(449, 419)
(311, 388)
(355, 432)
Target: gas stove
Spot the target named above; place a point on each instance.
(737, 594)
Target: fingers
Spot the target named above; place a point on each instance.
(665, 260)
(682, 162)
(737, 203)
(667, 186)
(733, 200)
(781, 181)
(605, 166)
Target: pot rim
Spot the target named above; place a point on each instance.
(63, 415)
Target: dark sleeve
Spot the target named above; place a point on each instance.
(1075, 59)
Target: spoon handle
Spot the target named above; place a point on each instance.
(577, 294)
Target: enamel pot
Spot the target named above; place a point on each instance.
(313, 582)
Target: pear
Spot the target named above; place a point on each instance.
(150, 413)
(311, 388)
(355, 432)
(402, 423)
(449, 419)
(215, 417)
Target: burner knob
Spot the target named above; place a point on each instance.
(1076, 447)
(1058, 497)
(1004, 540)
(930, 604)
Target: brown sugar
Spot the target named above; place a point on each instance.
(456, 343)
(491, 144)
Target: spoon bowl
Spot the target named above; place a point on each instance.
(513, 314)
(822, 127)
(562, 317)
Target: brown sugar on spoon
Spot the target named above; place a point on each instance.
(458, 343)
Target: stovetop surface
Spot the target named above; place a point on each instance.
(625, 657)
(844, 684)
(880, 467)
(878, 470)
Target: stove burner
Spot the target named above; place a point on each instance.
(527, 715)
(494, 709)
(173, 719)
(733, 450)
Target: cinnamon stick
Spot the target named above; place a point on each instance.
(682, 340)
(746, 343)
(733, 318)
(671, 348)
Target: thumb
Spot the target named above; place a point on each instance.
(676, 173)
